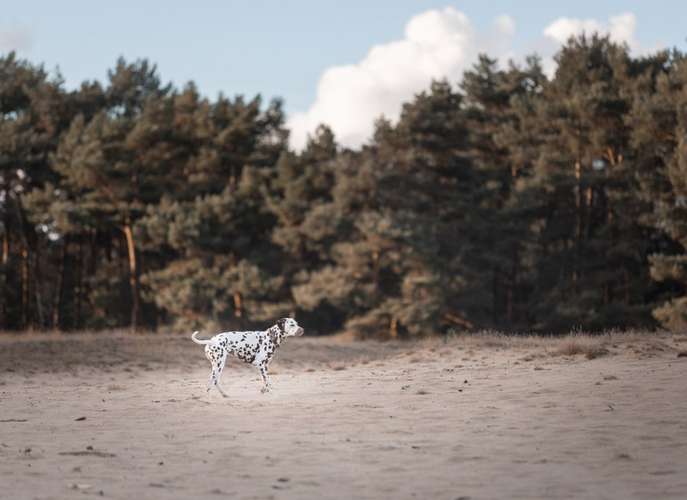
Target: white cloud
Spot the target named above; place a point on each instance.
(620, 28)
(436, 44)
(505, 24)
(15, 39)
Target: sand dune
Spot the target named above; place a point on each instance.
(128, 417)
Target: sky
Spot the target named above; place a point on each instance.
(342, 63)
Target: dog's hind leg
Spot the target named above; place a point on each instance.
(217, 361)
(220, 367)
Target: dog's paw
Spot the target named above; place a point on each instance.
(265, 390)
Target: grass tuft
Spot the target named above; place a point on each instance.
(575, 344)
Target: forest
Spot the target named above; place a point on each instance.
(508, 201)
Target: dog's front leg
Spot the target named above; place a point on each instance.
(265, 378)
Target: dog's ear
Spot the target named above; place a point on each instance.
(282, 324)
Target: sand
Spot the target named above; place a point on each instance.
(128, 417)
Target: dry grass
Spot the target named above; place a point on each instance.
(590, 347)
(55, 351)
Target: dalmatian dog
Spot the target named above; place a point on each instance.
(256, 348)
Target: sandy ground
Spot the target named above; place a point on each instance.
(128, 417)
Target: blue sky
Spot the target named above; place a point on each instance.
(281, 48)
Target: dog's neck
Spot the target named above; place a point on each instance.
(276, 334)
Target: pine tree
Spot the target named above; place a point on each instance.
(108, 174)
(509, 201)
(217, 264)
(397, 225)
(588, 249)
(660, 127)
(31, 118)
(495, 101)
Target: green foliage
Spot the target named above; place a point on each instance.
(587, 250)
(663, 177)
(506, 201)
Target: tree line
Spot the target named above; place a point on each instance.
(507, 201)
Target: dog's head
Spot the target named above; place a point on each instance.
(290, 327)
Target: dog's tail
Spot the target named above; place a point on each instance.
(193, 337)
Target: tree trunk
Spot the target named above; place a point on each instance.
(238, 305)
(456, 319)
(79, 284)
(58, 298)
(512, 283)
(495, 309)
(133, 276)
(5, 246)
(39, 319)
(578, 229)
(5, 272)
(393, 328)
(24, 287)
(375, 268)
(25, 266)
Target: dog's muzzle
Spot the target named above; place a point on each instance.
(299, 332)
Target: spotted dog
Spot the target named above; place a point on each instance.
(256, 348)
